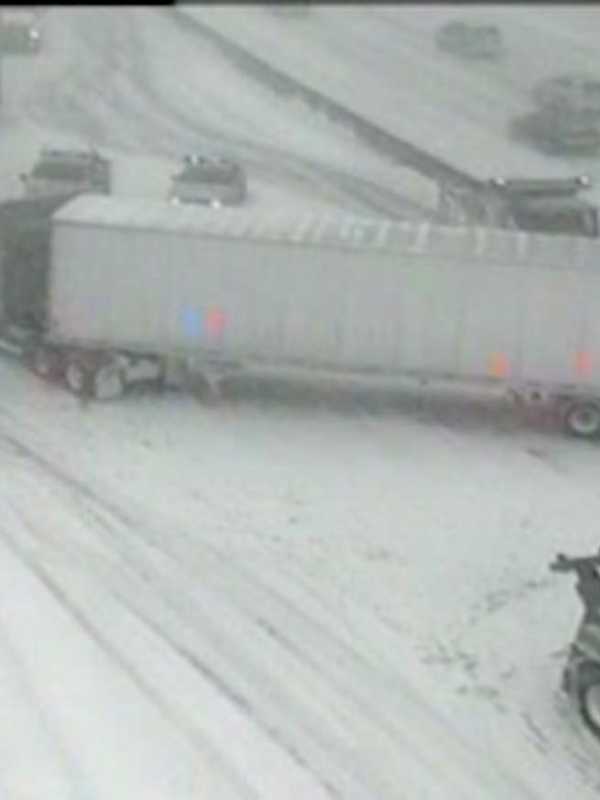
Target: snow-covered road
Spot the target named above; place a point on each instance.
(382, 62)
(287, 599)
(107, 79)
(324, 594)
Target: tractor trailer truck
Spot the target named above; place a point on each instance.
(137, 289)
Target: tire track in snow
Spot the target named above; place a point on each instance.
(279, 612)
(50, 730)
(277, 734)
(367, 192)
(115, 70)
(136, 676)
(142, 571)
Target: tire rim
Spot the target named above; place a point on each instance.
(584, 420)
(75, 378)
(592, 704)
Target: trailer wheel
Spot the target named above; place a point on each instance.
(582, 419)
(108, 382)
(46, 363)
(205, 390)
(79, 378)
(588, 698)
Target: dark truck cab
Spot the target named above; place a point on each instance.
(25, 231)
(543, 205)
(61, 172)
(19, 30)
(549, 205)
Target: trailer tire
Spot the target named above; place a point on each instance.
(108, 382)
(79, 378)
(203, 390)
(46, 363)
(582, 419)
(588, 699)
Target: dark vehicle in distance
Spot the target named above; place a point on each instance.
(209, 181)
(549, 205)
(470, 40)
(575, 92)
(559, 131)
(292, 10)
(19, 32)
(61, 172)
(543, 205)
(581, 674)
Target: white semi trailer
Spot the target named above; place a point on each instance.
(140, 289)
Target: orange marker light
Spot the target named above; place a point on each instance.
(583, 364)
(498, 365)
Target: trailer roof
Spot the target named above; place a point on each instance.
(334, 230)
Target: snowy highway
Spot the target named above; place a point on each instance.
(382, 62)
(301, 593)
(223, 606)
(108, 82)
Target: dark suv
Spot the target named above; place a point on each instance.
(559, 131)
(574, 92)
(19, 32)
(68, 171)
(470, 40)
(208, 181)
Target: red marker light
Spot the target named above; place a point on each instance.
(583, 364)
(215, 321)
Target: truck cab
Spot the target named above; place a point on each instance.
(544, 205)
(548, 205)
(61, 172)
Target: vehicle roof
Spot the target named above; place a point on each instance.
(510, 248)
(60, 170)
(55, 154)
(541, 186)
(207, 170)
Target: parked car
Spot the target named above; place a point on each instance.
(68, 171)
(19, 32)
(470, 40)
(293, 10)
(208, 181)
(575, 92)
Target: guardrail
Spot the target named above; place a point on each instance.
(373, 135)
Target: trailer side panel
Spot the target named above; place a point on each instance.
(355, 295)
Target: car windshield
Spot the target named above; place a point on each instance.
(298, 402)
(209, 173)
